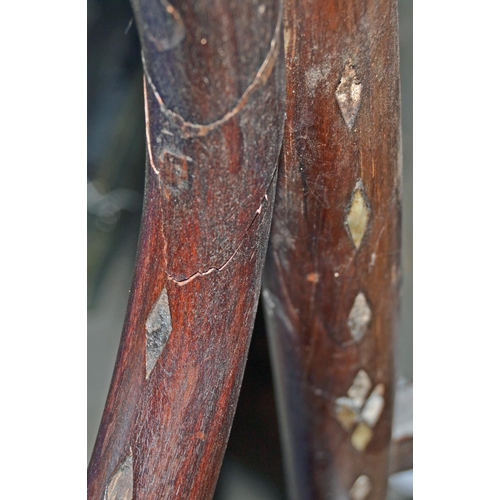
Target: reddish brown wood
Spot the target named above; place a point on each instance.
(214, 91)
(315, 270)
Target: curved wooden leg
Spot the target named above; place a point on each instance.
(214, 98)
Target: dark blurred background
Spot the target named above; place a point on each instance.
(252, 468)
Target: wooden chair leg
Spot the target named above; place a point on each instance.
(331, 284)
(214, 92)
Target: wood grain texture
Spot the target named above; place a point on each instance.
(214, 92)
(336, 235)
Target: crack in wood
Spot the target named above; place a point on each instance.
(210, 270)
(189, 129)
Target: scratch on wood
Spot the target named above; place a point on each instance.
(210, 270)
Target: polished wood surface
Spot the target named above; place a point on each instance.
(332, 278)
(214, 93)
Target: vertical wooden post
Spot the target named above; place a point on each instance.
(214, 97)
(331, 285)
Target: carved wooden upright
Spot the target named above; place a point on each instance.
(331, 285)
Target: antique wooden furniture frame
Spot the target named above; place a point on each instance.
(273, 150)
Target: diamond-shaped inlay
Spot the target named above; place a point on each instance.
(374, 406)
(358, 411)
(348, 94)
(121, 484)
(359, 317)
(359, 388)
(361, 436)
(158, 328)
(358, 215)
(346, 412)
(361, 488)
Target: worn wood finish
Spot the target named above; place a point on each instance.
(214, 92)
(331, 284)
